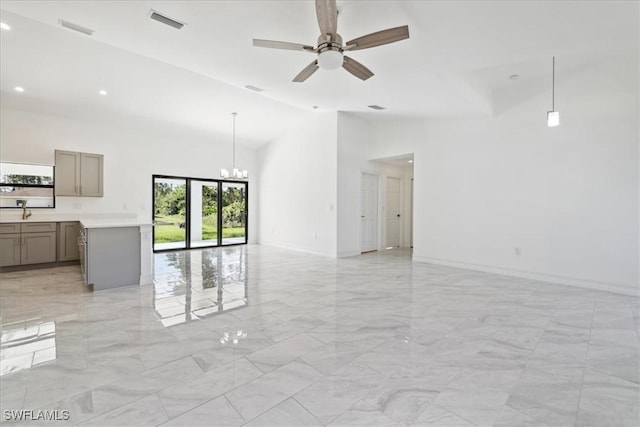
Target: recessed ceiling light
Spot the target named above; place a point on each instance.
(514, 76)
(103, 92)
(5, 26)
(19, 89)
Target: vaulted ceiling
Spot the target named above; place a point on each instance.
(458, 55)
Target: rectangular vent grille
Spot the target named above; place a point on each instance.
(376, 107)
(75, 27)
(165, 20)
(254, 88)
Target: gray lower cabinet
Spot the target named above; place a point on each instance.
(112, 257)
(9, 249)
(27, 243)
(37, 248)
(68, 241)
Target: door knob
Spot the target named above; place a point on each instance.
(398, 215)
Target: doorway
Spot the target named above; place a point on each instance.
(392, 217)
(198, 213)
(369, 214)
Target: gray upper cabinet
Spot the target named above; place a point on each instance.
(79, 174)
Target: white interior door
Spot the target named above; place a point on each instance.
(411, 217)
(369, 215)
(392, 202)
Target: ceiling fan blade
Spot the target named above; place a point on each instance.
(307, 72)
(327, 12)
(356, 68)
(379, 38)
(282, 45)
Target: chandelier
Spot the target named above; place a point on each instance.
(236, 173)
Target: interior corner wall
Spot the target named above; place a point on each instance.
(133, 151)
(510, 195)
(353, 138)
(298, 186)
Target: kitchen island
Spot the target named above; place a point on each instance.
(115, 252)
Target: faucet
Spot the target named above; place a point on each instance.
(25, 213)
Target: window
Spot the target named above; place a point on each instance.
(23, 183)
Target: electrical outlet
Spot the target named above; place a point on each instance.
(517, 251)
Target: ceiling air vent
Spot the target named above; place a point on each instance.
(254, 88)
(75, 27)
(165, 19)
(376, 107)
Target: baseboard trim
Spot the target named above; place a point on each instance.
(297, 249)
(543, 277)
(146, 279)
(24, 267)
(347, 254)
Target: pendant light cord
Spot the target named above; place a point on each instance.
(234, 140)
(553, 85)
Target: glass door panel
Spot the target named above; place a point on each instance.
(169, 215)
(204, 214)
(234, 213)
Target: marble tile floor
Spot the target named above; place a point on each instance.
(261, 336)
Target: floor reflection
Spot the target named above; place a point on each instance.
(26, 344)
(191, 285)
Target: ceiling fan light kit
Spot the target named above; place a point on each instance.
(330, 48)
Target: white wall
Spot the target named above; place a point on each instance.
(566, 196)
(298, 186)
(133, 152)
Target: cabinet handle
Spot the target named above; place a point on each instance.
(16, 241)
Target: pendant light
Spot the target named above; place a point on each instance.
(553, 116)
(236, 173)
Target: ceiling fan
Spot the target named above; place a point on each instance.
(329, 47)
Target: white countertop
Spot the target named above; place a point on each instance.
(113, 222)
(87, 220)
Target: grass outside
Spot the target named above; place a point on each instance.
(168, 230)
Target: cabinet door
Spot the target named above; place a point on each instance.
(91, 174)
(38, 247)
(67, 173)
(68, 241)
(9, 249)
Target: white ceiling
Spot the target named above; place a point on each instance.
(458, 54)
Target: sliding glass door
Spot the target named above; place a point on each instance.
(204, 214)
(169, 213)
(198, 213)
(234, 213)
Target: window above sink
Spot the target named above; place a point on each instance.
(21, 182)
